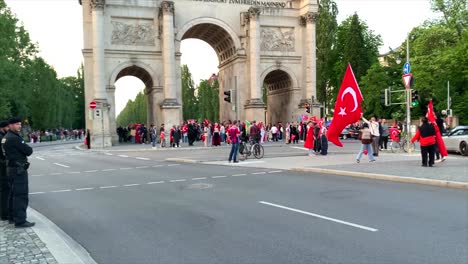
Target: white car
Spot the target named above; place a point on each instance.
(457, 140)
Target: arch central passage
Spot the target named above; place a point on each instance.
(137, 72)
(279, 96)
(216, 36)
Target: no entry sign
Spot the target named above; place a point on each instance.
(92, 105)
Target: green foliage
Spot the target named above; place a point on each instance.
(326, 47)
(29, 87)
(189, 101)
(134, 112)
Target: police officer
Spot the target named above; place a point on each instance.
(4, 180)
(16, 152)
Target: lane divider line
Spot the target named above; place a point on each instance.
(139, 158)
(73, 172)
(39, 158)
(37, 175)
(278, 171)
(201, 178)
(109, 154)
(172, 165)
(320, 216)
(36, 193)
(133, 184)
(142, 167)
(107, 187)
(181, 180)
(157, 166)
(123, 156)
(237, 175)
(109, 170)
(57, 173)
(84, 189)
(257, 173)
(125, 168)
(61, 165)
(59, 191)
(217, 177)
(89, 171)
(155, 182)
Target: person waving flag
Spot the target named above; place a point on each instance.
(347, 107)
(432, 118)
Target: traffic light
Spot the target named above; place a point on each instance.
(385, 97)
(307, 106)
(414, 98)
(228, 96)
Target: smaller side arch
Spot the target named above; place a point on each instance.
(280, 68)
(208, 20)
(127, 64)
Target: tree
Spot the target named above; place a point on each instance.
(455, 14)
(326, 47)
(134, 111)
(189, 101)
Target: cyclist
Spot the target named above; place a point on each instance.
(254, 133)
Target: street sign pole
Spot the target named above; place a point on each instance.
(408, 100)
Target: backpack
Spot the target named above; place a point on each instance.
(365, 136)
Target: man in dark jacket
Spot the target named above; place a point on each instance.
(16, 152)
(5, 184)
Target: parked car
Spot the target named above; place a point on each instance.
(457, 140)
(349, 133)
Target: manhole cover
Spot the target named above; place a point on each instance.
(199, 186)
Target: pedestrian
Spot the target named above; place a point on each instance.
(216, 135)
(274, 133)
(384, 135)
(88, 139)
(324, 140)
(374, 129)
(234, 134)
(162, 136)
(427, 140)
(309, 142)
(365, 136)
(16, 152)
(317, 145)
(5, 183)
(177, 135)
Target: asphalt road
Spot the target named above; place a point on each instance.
(137, 208)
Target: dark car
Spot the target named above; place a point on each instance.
(349, 133)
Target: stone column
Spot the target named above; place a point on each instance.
(309, 21)
(168, 50)
(97, 7)
(255, 106)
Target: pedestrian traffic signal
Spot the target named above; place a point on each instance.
(228, 96)
(414, 98)
(307, 106)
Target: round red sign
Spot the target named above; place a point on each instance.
(92, 105)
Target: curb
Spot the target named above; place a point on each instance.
(374, 176)
(438, 183)
(64, 249)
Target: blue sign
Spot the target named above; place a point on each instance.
(406, 68)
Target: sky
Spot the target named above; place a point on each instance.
(56, 25)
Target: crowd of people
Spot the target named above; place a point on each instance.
(55, 134)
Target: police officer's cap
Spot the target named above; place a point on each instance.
(3, 123)
(14, 120)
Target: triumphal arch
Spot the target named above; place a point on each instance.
(259, 43)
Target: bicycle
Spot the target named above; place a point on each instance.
(402, 145)
(255, 148)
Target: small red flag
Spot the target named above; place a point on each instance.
(347, 107)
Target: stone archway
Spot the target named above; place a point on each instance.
(281, 98)
(249, 37)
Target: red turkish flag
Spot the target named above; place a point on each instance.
(432, 118)
(347, 107)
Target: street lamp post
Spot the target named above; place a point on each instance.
(408, 101)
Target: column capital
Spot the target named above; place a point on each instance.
(309, 17)
(97, 4)
(167, 8)
(253, 14)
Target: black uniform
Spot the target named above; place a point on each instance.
(5, 186)
(16, 152)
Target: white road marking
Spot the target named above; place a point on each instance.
(84, 189)
(321, 216)
(216, 177)
(172, 165)
(178, 180)
(57, 173)
(108, 169)
(201, 178)
(36, 193)
(37, 175)
(73, 172)
(123, 156)
(142, 167)
(247, 162)
(133, 184)
(39, 158)
(139, 158)
(155, 182)
(125, 168)
(91, 171)
(278, 171)
(107, 187)
(61, 165)
(157, 166)
(300, 148)
(237, 175)
(256, 173)
(61, 191)
(109, 154)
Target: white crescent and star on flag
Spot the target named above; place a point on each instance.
(350, 91)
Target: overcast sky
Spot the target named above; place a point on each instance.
(56, 25)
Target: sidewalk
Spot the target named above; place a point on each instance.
(401, 167)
